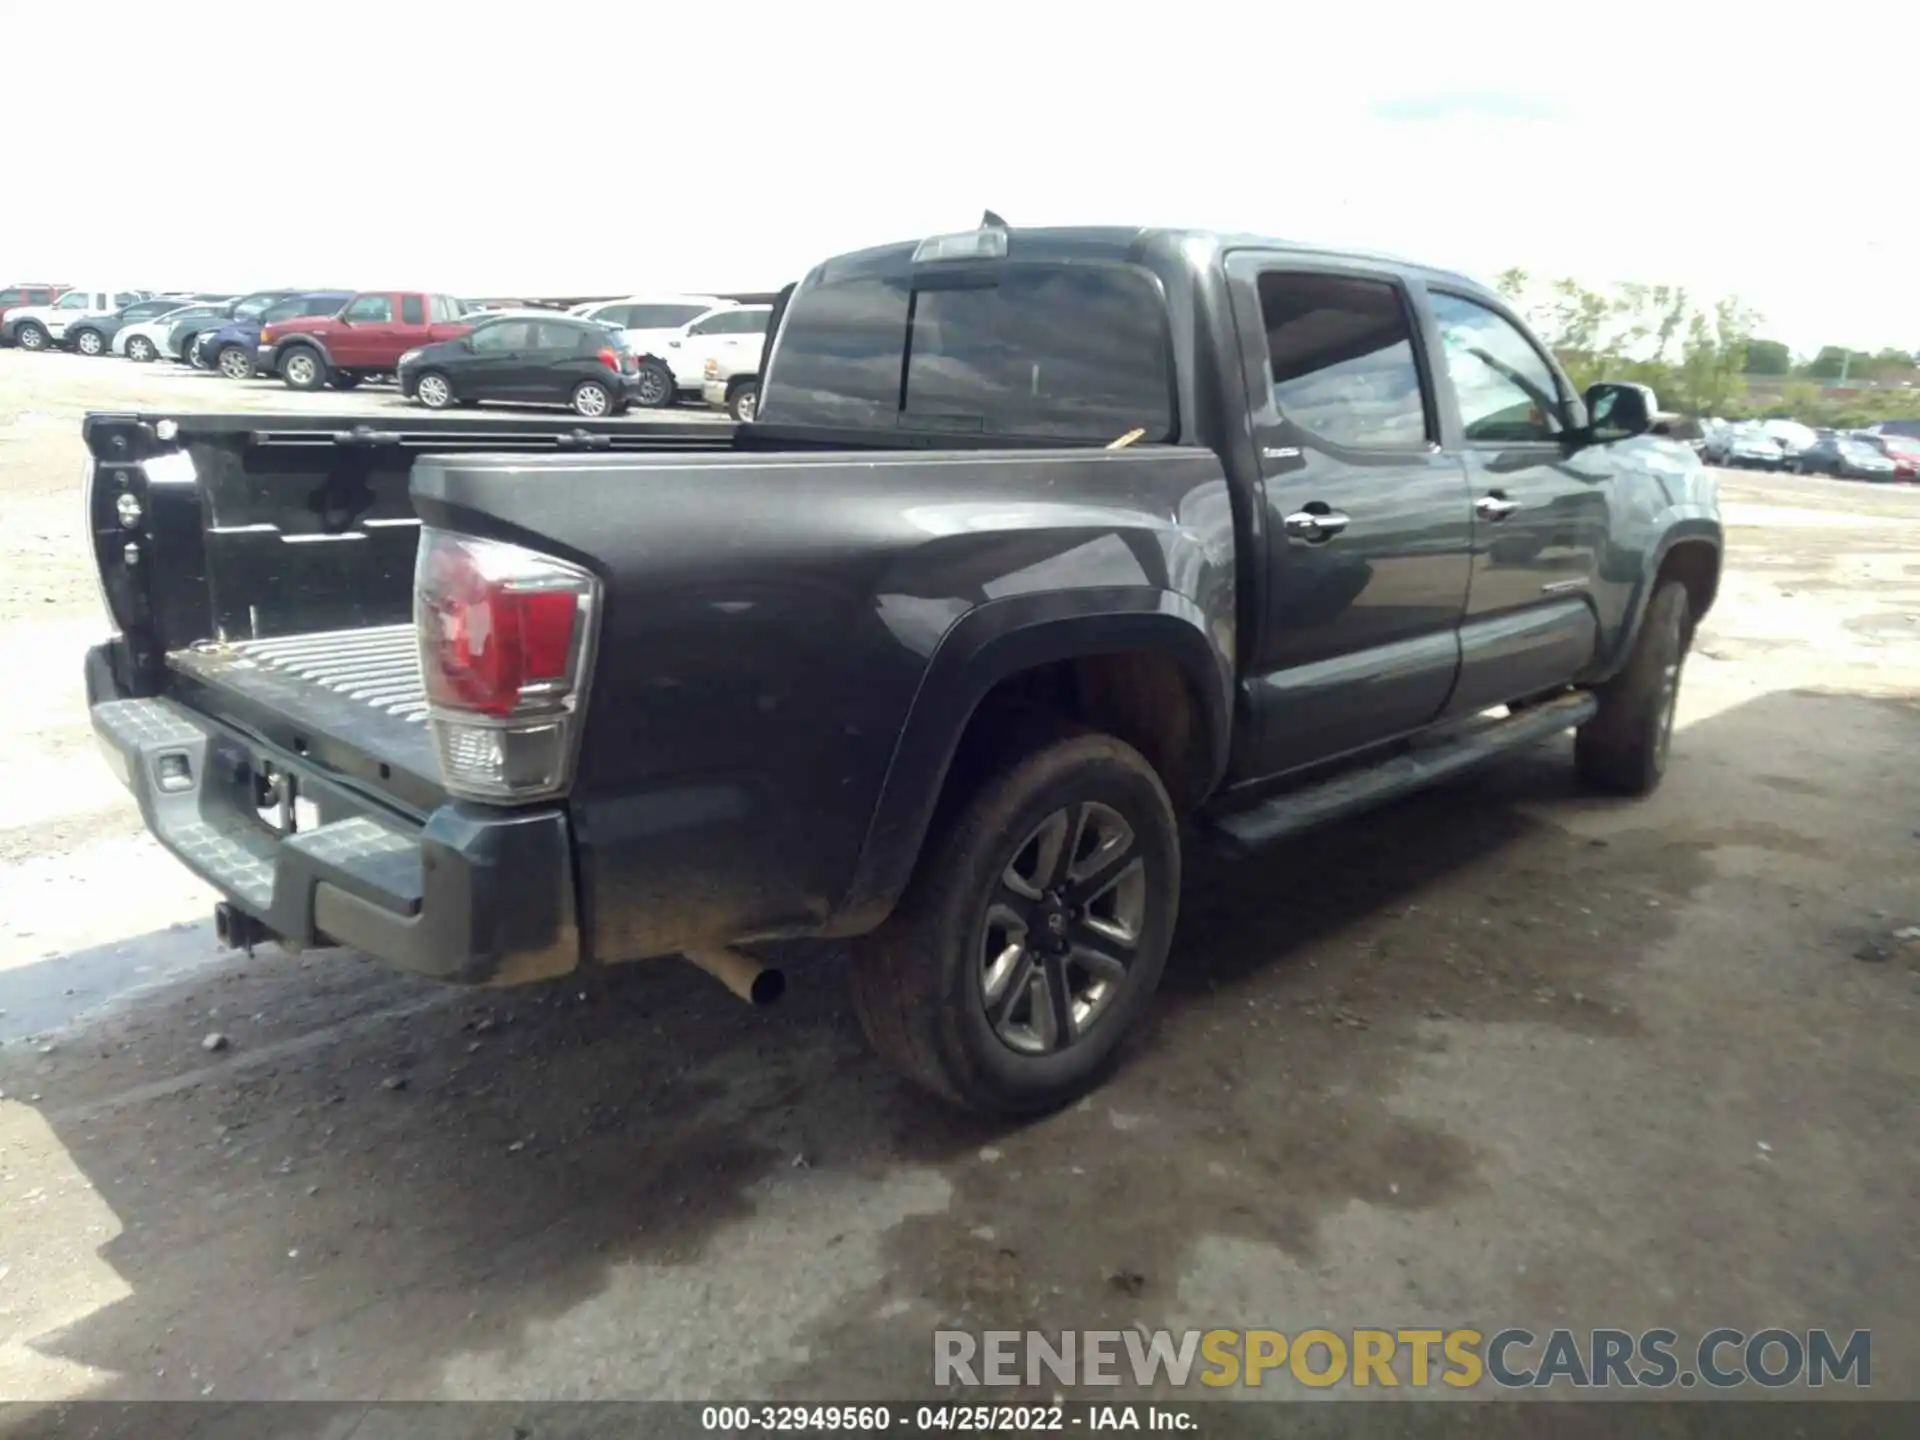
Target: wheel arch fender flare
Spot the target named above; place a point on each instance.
(1687, 529)
(990, 644)
(288, 344)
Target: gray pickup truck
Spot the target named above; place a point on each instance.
(1047, 551)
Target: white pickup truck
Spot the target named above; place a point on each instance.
(41, 327)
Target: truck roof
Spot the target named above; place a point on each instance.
(1123, 242)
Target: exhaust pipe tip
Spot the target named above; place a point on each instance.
(757, 984)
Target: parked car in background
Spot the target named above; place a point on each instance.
(143, 340)
(732, 383)
(181, 338)
(41, 327)
(96, 334)
(234, 348)
(730, 334)
(527, 359)
(367, 337)
(1843, 457)
(652, 323)
(1908, 428)
(17, 297)
(185, 327)
(1902, 450)
(1753, 449)
(1791, 435)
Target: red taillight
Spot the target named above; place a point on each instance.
(611, 359)
(504, 633)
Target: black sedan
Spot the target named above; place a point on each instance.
(1846, 458)
(526, 360)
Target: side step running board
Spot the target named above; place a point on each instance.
(1354, 791)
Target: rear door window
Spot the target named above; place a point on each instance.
(413, 310)
(1057, 351)
(1340, 351)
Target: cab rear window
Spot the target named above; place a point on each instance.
(1069, 352)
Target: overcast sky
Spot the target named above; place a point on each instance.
(518, 148)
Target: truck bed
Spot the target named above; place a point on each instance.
(350, 699)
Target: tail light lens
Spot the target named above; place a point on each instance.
(611, 359)
(506, 639)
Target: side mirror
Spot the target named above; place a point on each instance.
(1619, 411)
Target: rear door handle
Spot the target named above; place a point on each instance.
(1315, 525)
(1494, 507)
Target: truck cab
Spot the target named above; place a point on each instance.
(366, 337)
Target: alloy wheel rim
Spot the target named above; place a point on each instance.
(747, 403)
(235, 366)
(139, 349)
(1062, 927)
(29, 339)
(591, 400)
(651, 387)
(433, 391)
(299, 369)
(89, 343)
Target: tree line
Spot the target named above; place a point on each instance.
(1699, 359)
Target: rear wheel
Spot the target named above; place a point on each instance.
(236, 362)
(1623, 749)
(33, 336)
(592, 399)
(744, 401)
(653, 387)
(303, 369)
(141, 349)
(89, 341)
(195, 354)
(1033, 933)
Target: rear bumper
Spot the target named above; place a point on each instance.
(471, 895)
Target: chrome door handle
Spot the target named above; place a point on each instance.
(1315, 524)
(1494, 507)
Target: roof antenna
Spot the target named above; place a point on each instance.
(991, 221)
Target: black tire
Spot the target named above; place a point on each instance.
(1623, 749)
(235, 362)
(194, 355)
(343, 380)
(653, 389)
(744, 401)
(434, 390)
(142, 351)
(921, 981)
(592, 399)
(303, 368)
(89, 342)
(32, 335)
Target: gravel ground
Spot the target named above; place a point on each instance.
(1501, 1055)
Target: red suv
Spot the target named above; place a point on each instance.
(15, 296)
(367, 337)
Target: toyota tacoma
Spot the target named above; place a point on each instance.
(1047, 554)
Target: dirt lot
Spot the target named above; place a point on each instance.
(1503, 1055)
